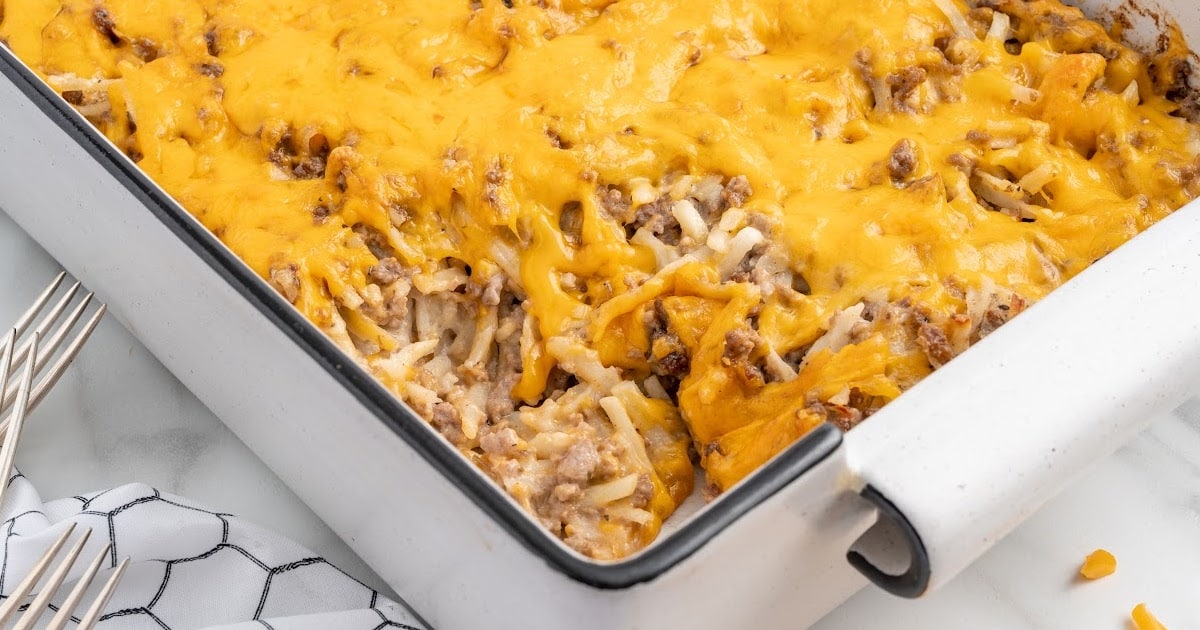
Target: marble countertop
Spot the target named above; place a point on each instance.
(118, 416)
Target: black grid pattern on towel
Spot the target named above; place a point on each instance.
(177, 584)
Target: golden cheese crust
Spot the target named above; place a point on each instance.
(594, 242)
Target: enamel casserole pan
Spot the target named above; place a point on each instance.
(906, 501)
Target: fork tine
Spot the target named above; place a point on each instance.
(48, 348)
(56, 371)
(38, 304)
(8, 451)
(42, 327)
(6, 355)
(72, 601)
(52, 344)
(38, 606)
(18, 595)
(92, 615)
(48, 320)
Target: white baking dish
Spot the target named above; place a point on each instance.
(951, 466)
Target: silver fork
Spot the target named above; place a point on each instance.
(15, 405)
(41, 602)
(17, 402)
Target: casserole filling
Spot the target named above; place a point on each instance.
(596, 243)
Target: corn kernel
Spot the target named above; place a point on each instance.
(1099, 563)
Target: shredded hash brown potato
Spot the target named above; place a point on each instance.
(595, 242)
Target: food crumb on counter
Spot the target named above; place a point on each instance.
(1143, 620)
(1100, 563)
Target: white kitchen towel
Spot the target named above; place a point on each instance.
(191, 567)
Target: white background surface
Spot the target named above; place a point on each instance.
(119, 417)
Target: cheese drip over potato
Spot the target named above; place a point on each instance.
(595, 243)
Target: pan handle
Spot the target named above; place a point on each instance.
(978, 446)
(915, 579)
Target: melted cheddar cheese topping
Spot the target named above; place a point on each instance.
(700, 226)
